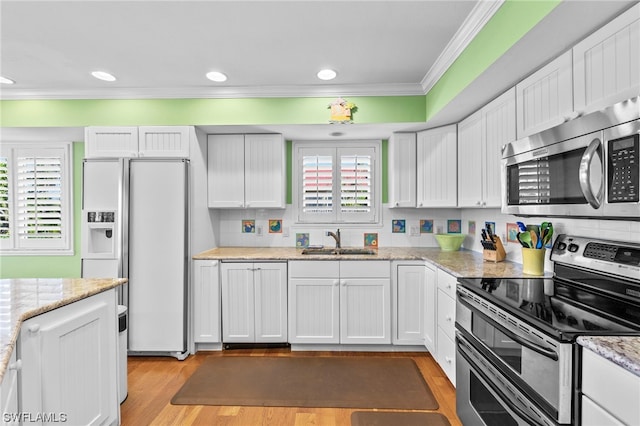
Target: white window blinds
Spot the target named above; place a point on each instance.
(36, 198)
(39, 195)
(4, 198)
(317, 183)
(336, 183)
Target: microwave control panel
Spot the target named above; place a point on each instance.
(623, 175)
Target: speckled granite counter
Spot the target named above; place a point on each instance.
(21, 299)
(621, 350)
(462, 263)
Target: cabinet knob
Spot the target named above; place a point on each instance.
(336, 282)
(449, 318)
(477, 203)
(16, 365)
(214, 263)
(448, 359)
(34, 328)
(343, 282)
(397, 204)
(420, 205)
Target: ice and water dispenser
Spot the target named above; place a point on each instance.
(100, 235)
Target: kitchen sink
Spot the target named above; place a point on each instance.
(338, 251)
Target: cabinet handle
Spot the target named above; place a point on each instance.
(16, 365)
(34, 328)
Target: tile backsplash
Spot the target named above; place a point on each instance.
(411, 221)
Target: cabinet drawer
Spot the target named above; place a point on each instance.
(447, 283)
(594, 415)
(446, 313)
(365, 269)
(314, 269)
(447, 355)
(612, 387)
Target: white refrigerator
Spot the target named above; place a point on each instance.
(135, 225)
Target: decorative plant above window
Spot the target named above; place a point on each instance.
(341, 111)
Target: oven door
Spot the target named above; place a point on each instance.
(537, 364)
(560, 179)
(485, 398)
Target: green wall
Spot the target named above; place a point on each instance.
(514, 19)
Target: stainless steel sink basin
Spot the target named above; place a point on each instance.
(338, 251)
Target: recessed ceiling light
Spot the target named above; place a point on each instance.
(5, 80)
(101, 75)
(216, 76)
(326, 74)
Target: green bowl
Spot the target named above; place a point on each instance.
(450, 242)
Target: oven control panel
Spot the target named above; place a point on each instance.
(619, 258)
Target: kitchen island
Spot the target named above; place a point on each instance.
(58, 339)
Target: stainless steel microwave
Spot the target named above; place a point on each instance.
(586, 167)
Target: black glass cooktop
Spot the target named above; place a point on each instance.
(562, 309)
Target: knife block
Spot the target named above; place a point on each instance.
(497, 255)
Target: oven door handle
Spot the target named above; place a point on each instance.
(584, 175)
(549, 353)
(461, 342)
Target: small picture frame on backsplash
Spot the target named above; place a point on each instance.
(248, 226)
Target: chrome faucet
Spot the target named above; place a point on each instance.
(336, 236)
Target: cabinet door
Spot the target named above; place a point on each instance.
(437, 167)
(409, 305)
(499, 128)
(430, 309)
(446, 355)
(69, 362)
(9, 391)
(314, 310)
(545, 98)
(238, 312)
(206, 301)
(606, 65)
(365, 310)
(402, 170)
(225, 171)
(163, 141)
(110, 142)
(470, 161)
(270, 281)
(265, 171)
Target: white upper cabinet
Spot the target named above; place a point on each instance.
(246, 171)
(148, 141)
(480, 140)
(606, 65)
(545, 98)
(163, 141)
(436, 167)
(402, 170)
(110, 142)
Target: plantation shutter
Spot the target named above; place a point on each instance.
(5, 232)
(317, 184)
(356, 184)
(39, 198)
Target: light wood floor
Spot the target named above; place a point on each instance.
(152, 382)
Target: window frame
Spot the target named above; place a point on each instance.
(337, 149)
(16, 246)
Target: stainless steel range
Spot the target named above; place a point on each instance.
(517, 360)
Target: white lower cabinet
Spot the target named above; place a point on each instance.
(206, 301)
(446, 318)
(430, 308)
(254, 302)
(347, 302)
(610, 394)
(68, 356)
(9, 391)
(409, 300)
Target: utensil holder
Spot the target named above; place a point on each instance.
(533, 261)
(497, 255)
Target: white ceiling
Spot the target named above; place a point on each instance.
(163, 49)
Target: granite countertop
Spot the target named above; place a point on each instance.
(21, 299)
(462, 263)
(621, 350)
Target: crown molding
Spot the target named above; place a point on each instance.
(477, 19)
(222, 92)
